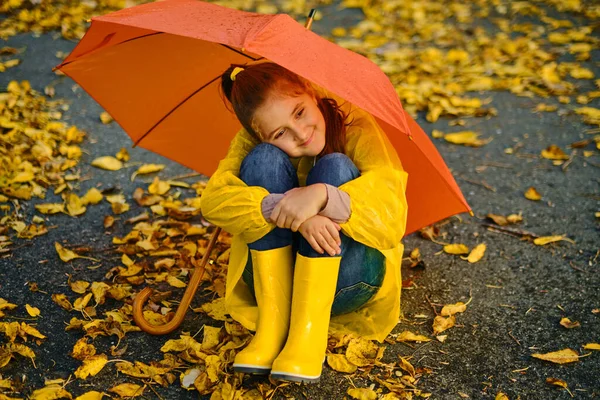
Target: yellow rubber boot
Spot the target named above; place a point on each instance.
(301, 359)
(272, 270)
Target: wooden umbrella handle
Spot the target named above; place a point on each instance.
(141, 297)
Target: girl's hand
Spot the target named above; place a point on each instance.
(298, 205)
(322, 234)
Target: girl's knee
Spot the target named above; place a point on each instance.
(334, 169)
(269, 167)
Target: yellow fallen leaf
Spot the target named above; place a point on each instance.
(6, 305)
(408, 336)
(173, 281)
(476, 254)
(362, 394)
(91, 366)
(106, 118)
(451, 309)
(362, 352)
(501, 396)
(158, 187)
(556, 382)
(128, 390)
(62, 301)
(50, 208)
(20, 349)
(467, 138)
(554, 152)
(456, 248)
(147, 169)
(581, 73)
(99, 290)
(436, 134)
(92, 196)
(211, 337)
(119, 208)
(182, 344)
(406, 366)
(5, 357)
(514, 218)
(440, 324)
(22, 177)
(50, 392)
(33, 311)
(545, 107)
(215, 309)
(79, 286)
(559, 357)
(93, 395)
(567, 323)
(82, 302)
(82, 349)
(592, 346)
(67, 255)
(122, 155)
(532, 194)
(30, 330)
(75, 205)
(213, 367)
(541, 241)
(107, 162)
(340, 363)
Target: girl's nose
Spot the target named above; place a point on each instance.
(303, 134)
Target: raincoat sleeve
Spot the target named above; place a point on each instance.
(228, 202)
(378, 207)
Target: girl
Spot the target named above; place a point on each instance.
(314, 196)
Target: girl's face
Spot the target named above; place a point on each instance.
(293, 124)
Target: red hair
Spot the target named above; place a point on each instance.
(254, 84)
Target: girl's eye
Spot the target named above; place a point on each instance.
(278, 135)
(300, 113)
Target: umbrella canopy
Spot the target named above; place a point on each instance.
(155, 69)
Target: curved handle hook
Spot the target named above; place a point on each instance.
(141, 297)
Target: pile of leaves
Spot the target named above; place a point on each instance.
(38, 152)
(435, 53)
(69, 17)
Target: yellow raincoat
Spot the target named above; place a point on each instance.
(378, 219)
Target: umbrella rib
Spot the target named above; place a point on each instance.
(173, 109)
(101, 46)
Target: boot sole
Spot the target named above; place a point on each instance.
(295, 378)
(251, 369)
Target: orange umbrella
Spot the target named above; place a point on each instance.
(155, 69)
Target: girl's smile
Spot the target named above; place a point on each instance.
(294, 124)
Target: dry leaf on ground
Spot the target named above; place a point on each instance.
(559, 357)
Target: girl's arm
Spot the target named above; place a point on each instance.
(377, 198)
(231, 204)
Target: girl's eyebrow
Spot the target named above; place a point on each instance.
(270, 135)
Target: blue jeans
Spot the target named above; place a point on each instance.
(362, 268)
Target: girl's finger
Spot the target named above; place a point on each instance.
(323, 242)
(275, 214)
(296, 224)
(332, 242)
(335, 236)
(281, 221)
(313, 243)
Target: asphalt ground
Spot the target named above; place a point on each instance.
(518, 292)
